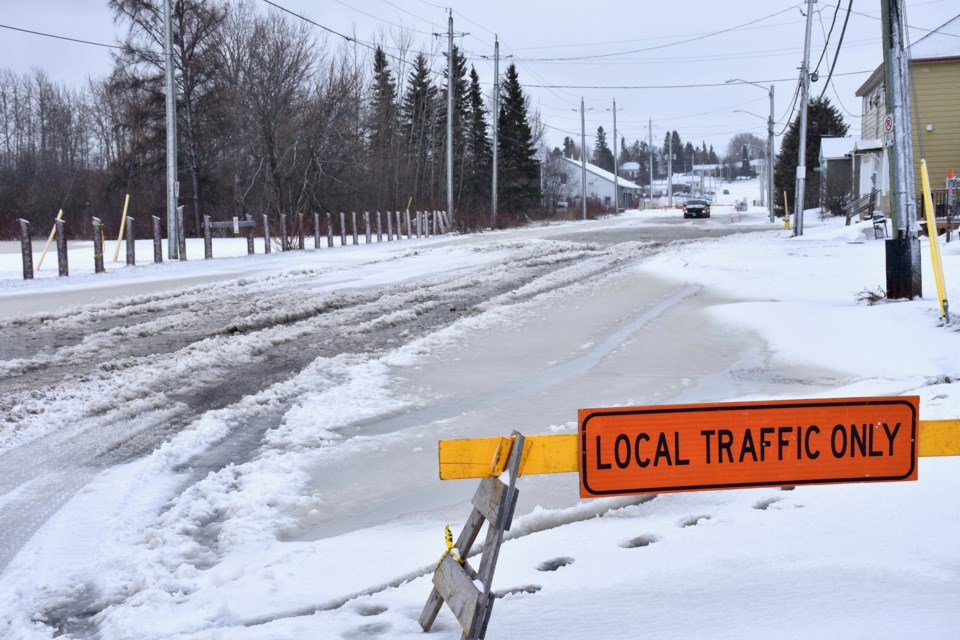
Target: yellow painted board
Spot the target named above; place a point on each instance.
(939, 438)
(473, 458)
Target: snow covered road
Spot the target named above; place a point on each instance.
(225, 459)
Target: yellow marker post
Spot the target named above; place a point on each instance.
(934, 242)
(53, 233)
(470, 458)
(123, 223)
(786, 212)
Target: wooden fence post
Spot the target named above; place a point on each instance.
(98, 246)
(26, 249)
(300, 233)
(131, 244)
(316, 231)
(250, 229)
(379, 227)
(181, 235)
(62, 261)
(329, 230)
(353, 216)
(266, 234)
(207, 239)
(406, 218)
(389, 226)
(283, 232)
(343, 229)
(157, 241)
(366, 226)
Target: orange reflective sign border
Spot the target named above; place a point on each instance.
(629, 450)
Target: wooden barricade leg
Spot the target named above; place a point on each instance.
(494, 503)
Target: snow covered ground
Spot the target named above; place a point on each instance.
(331, 526)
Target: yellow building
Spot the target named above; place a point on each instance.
(934, 103)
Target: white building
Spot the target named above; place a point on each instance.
(600, 185)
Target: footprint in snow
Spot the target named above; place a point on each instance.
(553, 565)
(640, 541)
(693, 521)
(763, 504)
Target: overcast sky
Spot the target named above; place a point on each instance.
(600, 50)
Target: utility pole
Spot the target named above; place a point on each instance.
(616, 179)
(650, 149)
(903, 250)
(770, 200)
(583, 159)
(495, 118)
(804, 103)
(172, 229)
(450, 85)
(670, 169)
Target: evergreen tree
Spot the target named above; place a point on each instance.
(712, 156)
(383, 103)
(672, 142)
(823, 120)
(519, 179)
(419, 127)
(382, 124)
(479, 151)
(570, 149)
(602, 156)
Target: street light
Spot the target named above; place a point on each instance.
(766, 165)
(769, 141)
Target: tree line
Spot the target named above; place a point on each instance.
(271, 118)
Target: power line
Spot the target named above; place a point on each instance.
(51, 35)
(826, 41)
(379, 19)
(836, 55)
(664, 46)
(673, 86)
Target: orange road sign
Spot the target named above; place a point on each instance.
(629, 450)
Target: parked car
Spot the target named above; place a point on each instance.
(696, 208)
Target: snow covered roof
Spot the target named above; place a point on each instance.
(870, 144)
(602, 173)
(833, 148)
(630, 166)
(943, 42)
